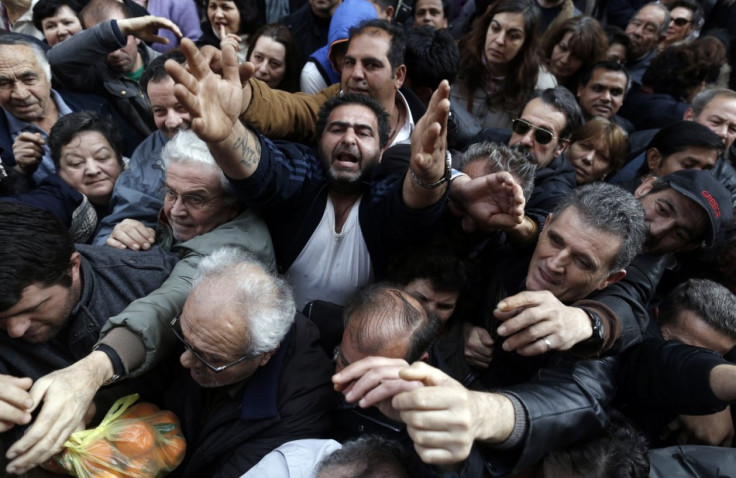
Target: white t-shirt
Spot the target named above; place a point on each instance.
(332, 266)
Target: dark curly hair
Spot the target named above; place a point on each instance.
(681, 69)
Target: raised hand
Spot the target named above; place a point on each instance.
(491, 202)
(214, 101)
(146, 28)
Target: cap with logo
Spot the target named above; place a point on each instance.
(708, 193)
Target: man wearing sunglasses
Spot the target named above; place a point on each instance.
(254, 376)
(544, 128)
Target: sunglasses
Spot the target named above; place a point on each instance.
(681, 22)
(176, 327)
(541, 135)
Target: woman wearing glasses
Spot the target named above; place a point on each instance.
(686, 17)
(571, 47)
(499, 64)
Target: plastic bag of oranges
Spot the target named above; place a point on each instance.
(138, 441)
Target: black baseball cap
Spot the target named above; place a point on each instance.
(708, 193)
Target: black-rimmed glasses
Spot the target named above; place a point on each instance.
(541, 135)
(176, 327)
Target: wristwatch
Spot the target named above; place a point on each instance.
(117, 365)
(596, 323)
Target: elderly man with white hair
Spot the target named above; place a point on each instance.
(199, 215)
(254, 373)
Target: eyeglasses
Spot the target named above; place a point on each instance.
(681, 22)
(189, 201)
(541, 135)
(176, 327)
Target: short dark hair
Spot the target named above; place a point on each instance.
(619, 451)
(436, 262)
(681, 135)
(694, 7)
(607, 65)
(713, 303)
(48, 8)
(155, 71)
(369, 456)
(354, 98)
(34, 248)
(389, 316)
(613, 210)
(431, 56)
(446, 6)
(561, 99)
(68, 126)
(397, 47)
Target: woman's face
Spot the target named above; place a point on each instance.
(223, 13)
(63, 24)
(591, 160)
(504, 38)
(562, 63)
(269, 58)
(90, 165)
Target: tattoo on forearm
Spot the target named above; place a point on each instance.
(248, 150)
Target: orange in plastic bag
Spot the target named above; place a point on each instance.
(137, 441)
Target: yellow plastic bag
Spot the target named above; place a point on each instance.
(134, 441)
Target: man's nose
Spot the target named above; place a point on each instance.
(17, 326)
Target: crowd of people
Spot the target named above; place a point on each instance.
(373, 238)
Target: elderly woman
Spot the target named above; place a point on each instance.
(499, 64)
(87, 153)
(57, 19)
(597, 150)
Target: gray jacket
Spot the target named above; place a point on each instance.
(141, 334)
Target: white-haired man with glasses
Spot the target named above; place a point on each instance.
(254, 374)
(199, 215)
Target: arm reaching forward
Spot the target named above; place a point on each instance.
(214, 102)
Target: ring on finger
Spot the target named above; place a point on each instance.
(547, 343)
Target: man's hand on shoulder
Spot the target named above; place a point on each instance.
(131, 234)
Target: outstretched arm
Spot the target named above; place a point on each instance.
(214, 103)
(66, 395)
(491, 202)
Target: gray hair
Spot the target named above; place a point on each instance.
(186, 148)
(713, 303)
(613, 210)
(500, 157)
(15, 39)
(265, 300)
(667, 16)
(704, 98)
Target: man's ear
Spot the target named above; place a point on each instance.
(689, 115)
(265, 357)
(612, 279)
(389, 13)
(654, 158)
(562, 145)
(645, 186)
(400, 76)
(75, 265)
